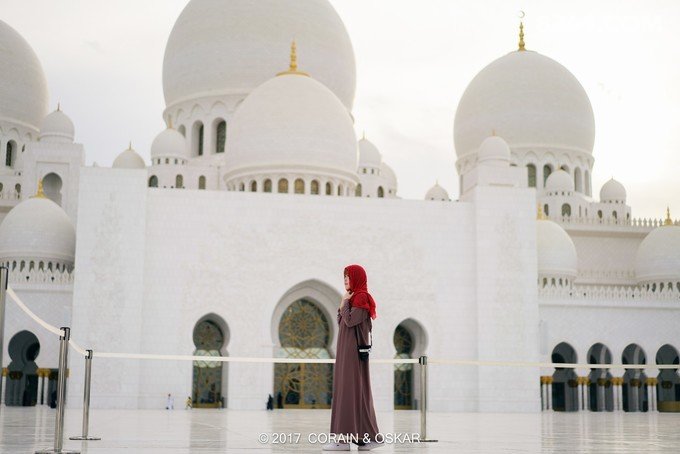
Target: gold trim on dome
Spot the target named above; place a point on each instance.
(293, 69)
(668, 220)
(521, 36)
(40, 194)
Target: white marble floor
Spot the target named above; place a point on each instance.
(218, 431)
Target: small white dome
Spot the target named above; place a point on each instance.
(129, 159)
(23, 88)
(437, 193)
(292, 123)
(170, 143)
(369, 155)
(494, 150)
(528, 99)
(658, 256)
(556, 251)
(57, 127)
(220, 47)
(613, 191)
(559, 181)
(390, 177)
(37, 228)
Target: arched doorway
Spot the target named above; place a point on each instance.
(600, 392)
(22, 376)
(403, 373)
(52, 185)
(304, 332)
(634, 380)
(668, 388)
(208, 376)
(565, 381)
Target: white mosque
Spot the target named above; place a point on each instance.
(232, 239)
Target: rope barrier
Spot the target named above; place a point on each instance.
(38, 320)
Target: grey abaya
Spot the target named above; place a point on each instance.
(352, 410)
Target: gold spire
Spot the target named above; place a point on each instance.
(40, 194)
(169, 122)
(668, 220)
(521, 36)
(130, 145)
(540, 215)
(293, 69)
(58, 106)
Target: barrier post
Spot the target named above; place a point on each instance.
(61, 397)
(423, 399)
(4, 276)
(86, 400)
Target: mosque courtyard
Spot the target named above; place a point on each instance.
(24, 430)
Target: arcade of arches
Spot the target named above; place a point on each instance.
(600, 390)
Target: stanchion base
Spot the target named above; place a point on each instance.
(428, 441)
(80, 437)
(52, 451)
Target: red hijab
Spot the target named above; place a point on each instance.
(359, 288)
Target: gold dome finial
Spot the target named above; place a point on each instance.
(58, 106)
(170, 122)
(521, 35)
(539, 213)
(130, 145)
(40, 194)
(293, 69)
(668, 220)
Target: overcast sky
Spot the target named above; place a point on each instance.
(103, 62)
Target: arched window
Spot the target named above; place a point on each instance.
(253, 186)
(381, 192)
(578, 181)
(315, 187)
(340, 189)
(364, 169)
(267, 185)
(599, 214)
(9, 157)
(241, 187)
(182, 130)
(547, 170)
(197, 139)
(546, 209)
(615, 215)
(179, 181)
(329, 188)
(357, 191)
(283, 186)
(153, 181)
(52, 186)
(1, 186)
(201, 182)
(566, 210)
(531, 171)
(221, 137)
(17, 188)
(299, 186)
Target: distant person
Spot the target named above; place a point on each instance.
(270, 402)
(170, 402)
(279, 400)
(352, 412)
(188, 404)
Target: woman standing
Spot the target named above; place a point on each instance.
(352, 413)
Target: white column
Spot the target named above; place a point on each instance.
(620, 393)
(579, 391)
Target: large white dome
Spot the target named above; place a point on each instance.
(528, 99)
(220, 47)
(556, 251)
(292, 123)
(658, 256)
(38, 228)
(23, 89)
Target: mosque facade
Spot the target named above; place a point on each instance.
(231, 239)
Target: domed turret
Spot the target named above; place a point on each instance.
(557, 257)
(227, 48)
(129, 159)
(437, 193)
(57, 127)
(495, 151)
(613, 192)
(369, 155)
(38, 229)
(292, 127)
(169, 144)
(23, 90)
(559, 182)
(658, 256)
